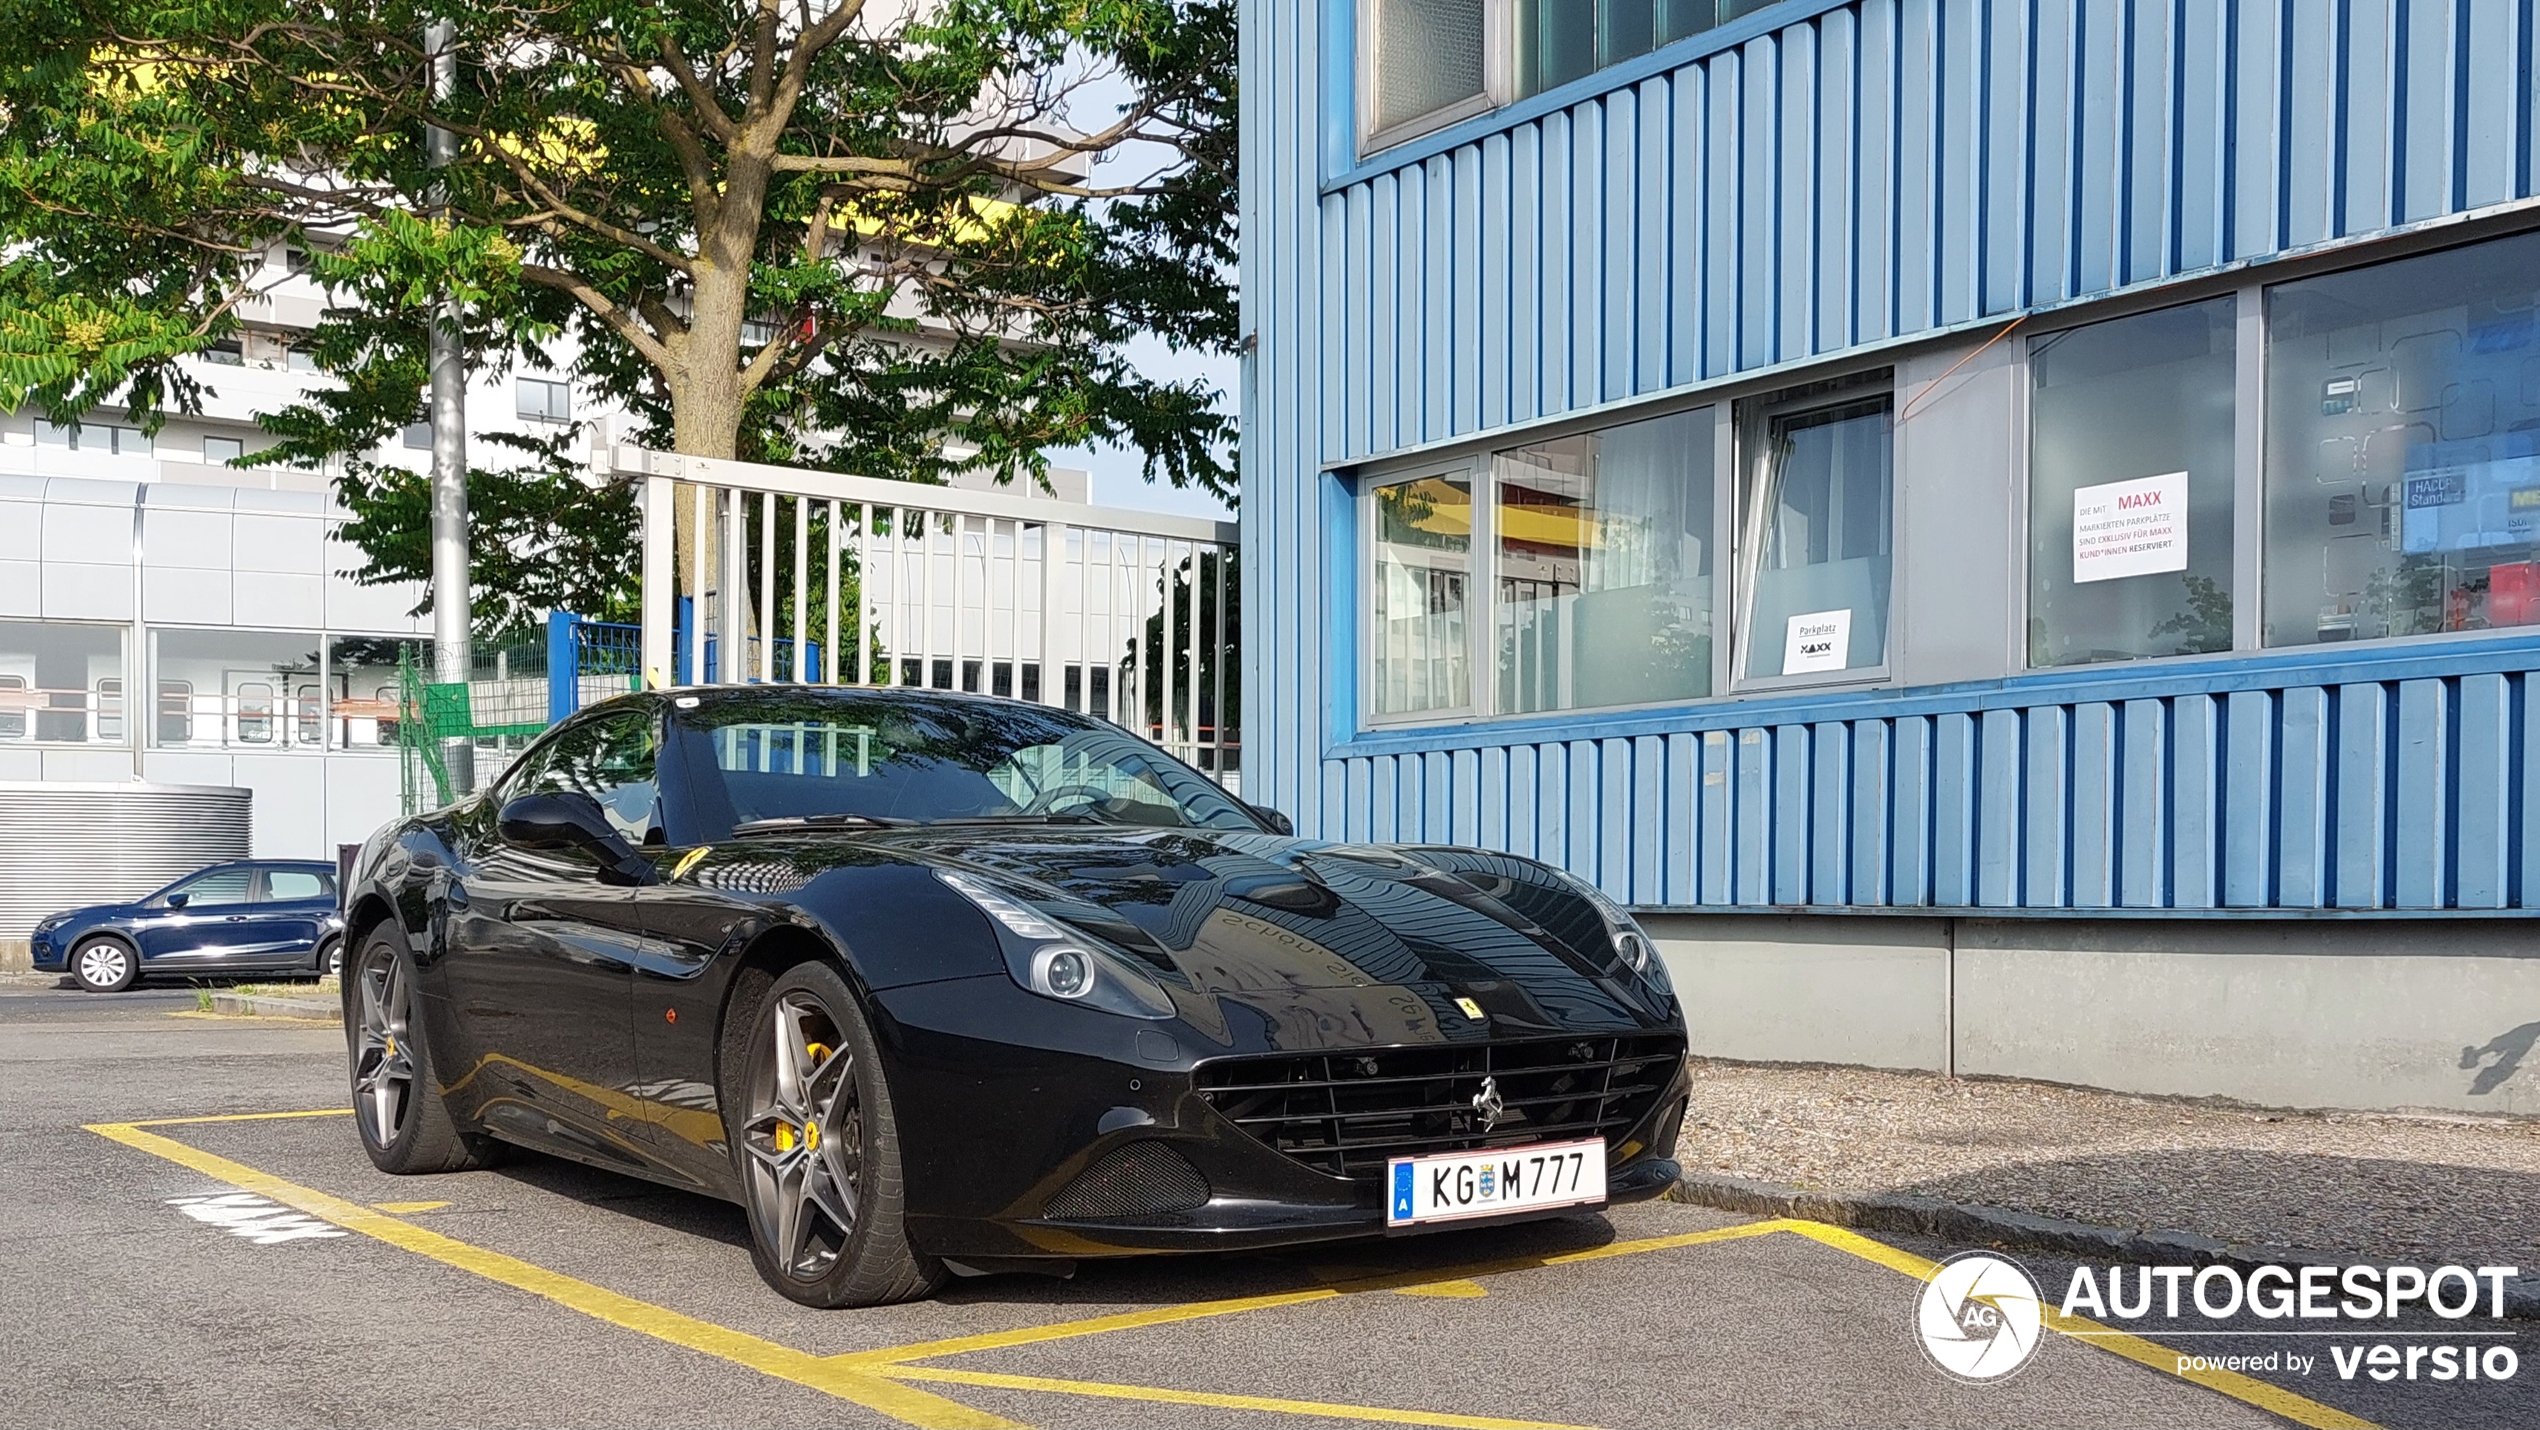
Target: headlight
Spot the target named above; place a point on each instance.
(1631, 946)
(1062, 963)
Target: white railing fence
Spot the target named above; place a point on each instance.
(824, 579)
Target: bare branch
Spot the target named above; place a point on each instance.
(619, 321)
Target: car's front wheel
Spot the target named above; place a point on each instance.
(330, 958)
(105, 964)
(819, 1151)
(406, 1127)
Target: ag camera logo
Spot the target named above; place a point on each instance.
(1979, 1318)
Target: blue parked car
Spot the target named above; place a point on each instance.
(249, 916)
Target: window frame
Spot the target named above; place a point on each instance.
(1752, 425)
(1883, 369)
(1479, 466)
(547, 388)
(2248, 459)
(1499, 79)
(1473, 467)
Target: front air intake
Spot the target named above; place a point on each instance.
(1140, 1179)
(1348, 1114)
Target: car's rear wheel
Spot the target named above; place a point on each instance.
(330, 958)
(819, 1151)
(406, 1127)
(105, 964)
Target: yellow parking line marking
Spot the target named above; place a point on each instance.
(870, 1378)
(1235, 1305)
(407, 1208)
(233, 1117)
(847, 1382)
(2301, 1410)
(1323, 1409)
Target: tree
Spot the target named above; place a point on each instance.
(841, 233)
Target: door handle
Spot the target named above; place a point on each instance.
(238, 918)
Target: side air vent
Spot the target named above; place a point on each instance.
(1137, 1180)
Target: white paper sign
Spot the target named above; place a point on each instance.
(1820, 640)
(2134, 528)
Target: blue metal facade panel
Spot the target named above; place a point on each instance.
(1818, 177)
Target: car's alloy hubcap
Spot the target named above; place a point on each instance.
(383, 1063)
(804, 1137)
(101, 964)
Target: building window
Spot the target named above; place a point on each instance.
(543, 400)
(61, 683)
(251, 689)
(220, 451)
(100, 437)
(2403, 447)
(1427, 63)
(364, 681)
(418, 436)
(1423, 532)
(1820, 520)
(2130, 487)
(176, 712)
(1603, 544)
(1562, 40)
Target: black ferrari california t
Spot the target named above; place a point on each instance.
(934, 984)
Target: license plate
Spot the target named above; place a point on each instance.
(1452, 1186)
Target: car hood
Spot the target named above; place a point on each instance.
(1379, 942)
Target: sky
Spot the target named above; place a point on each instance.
(1118, 475)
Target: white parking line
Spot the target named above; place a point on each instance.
(259, 1219)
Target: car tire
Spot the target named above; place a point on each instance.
(104, 964)
(330, 958)
(799, 1140)
(405, 1125)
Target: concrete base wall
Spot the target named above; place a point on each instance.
(2293, 1013)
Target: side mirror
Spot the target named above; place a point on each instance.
(1279, 823)
(567, 819)
(178, 901)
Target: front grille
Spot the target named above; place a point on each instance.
(1347, 1113)
(1137, 1180)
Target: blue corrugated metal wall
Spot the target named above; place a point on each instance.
(2293, 783)
(1811, 179)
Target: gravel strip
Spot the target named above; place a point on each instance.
(2394, 1187)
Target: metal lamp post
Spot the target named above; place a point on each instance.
(450, 635)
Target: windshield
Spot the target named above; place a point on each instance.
(921, 759)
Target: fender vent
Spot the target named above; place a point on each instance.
(1137, 1180)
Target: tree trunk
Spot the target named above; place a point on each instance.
(706, 397)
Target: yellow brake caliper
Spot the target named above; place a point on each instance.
(809, 1133)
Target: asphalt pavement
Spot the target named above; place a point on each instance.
(195, 1238)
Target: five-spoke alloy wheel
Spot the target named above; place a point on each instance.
(819, 1153)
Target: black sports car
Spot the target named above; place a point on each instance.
(934, 984)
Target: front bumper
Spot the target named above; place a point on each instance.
(995, 1132)
(48, 953)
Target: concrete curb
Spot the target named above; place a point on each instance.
(315, 1010)
(1999, 1226)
